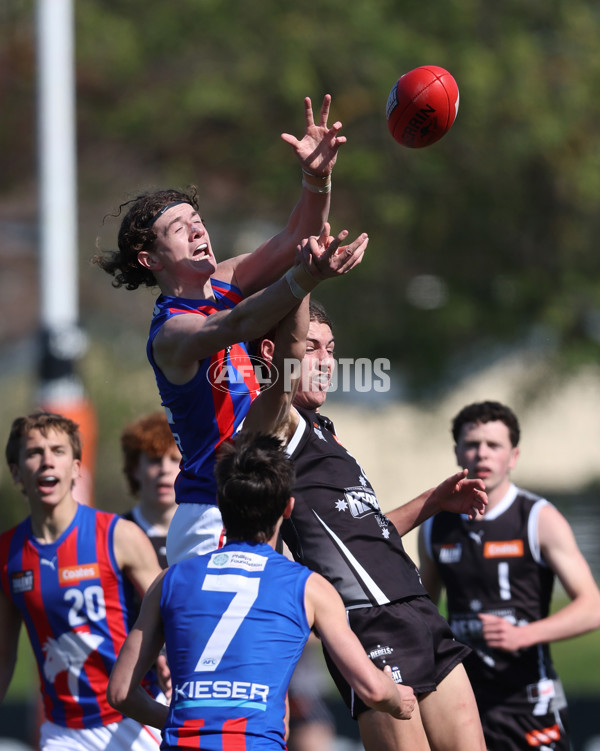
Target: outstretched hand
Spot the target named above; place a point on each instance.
(461, 495)
(324, 257)
(317, 151)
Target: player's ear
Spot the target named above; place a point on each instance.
(148, 260)
(267, 349)
(287, 512)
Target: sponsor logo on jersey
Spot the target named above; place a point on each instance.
(396, 675)
(539, 738)
(68, 575)
(221, 693)
(380, 652)
(451, 553)
(21, 581)
(503, 549)
(237, 559)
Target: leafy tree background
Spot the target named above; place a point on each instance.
(481, 244)
(502, 213)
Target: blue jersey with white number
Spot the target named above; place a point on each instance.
(76, 607)
(235, 626)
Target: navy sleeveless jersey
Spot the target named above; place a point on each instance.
(337, 527)
(76, 607)
(206, 410)
(494, 565)
(235, 626)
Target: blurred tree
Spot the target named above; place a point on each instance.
(484, 241)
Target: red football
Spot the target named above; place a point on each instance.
(422, 106)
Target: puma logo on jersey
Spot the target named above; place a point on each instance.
(50, 563)
(69, 652)
(477, 536)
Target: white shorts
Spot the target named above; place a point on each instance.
(126, 735)
(195, 529)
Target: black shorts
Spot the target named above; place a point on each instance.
(507, 730)
(514, 718)
(411, 637)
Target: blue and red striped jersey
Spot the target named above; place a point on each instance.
(76, 607)
(208, 409)
(235, 625)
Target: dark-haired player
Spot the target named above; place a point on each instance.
(337, 529)
(207, 310)
(499, 571)
(235, 622)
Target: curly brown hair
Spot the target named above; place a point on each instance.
(136, 234)
(150, 434)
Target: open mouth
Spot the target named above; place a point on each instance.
(48, 482)
(201, 251)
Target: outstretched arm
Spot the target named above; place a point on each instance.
(561, 552)
(270, 411)
(456, 493)
(317, 153)
(184, 340)
(136, 657)
(376, 688)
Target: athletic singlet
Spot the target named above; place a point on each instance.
(76, 607)
(206, 410)
(337, 528)
(235, 626)
(494, 565)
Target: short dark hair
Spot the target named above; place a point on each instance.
(150, 434)
(487, 411)
(318, 313)
(136, 234)
(44, 422)
(254, 484)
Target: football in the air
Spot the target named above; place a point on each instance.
(422, 106)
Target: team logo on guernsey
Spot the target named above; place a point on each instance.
(21, 581)
(503, 549)
(237, 559)
(360, 501)
(69, 575)
(69, 653)
(380, 651)
(451, 553)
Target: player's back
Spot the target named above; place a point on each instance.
(235, 626)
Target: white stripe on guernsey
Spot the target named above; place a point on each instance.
(532, 531)
(298, 433)
(379, 596)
